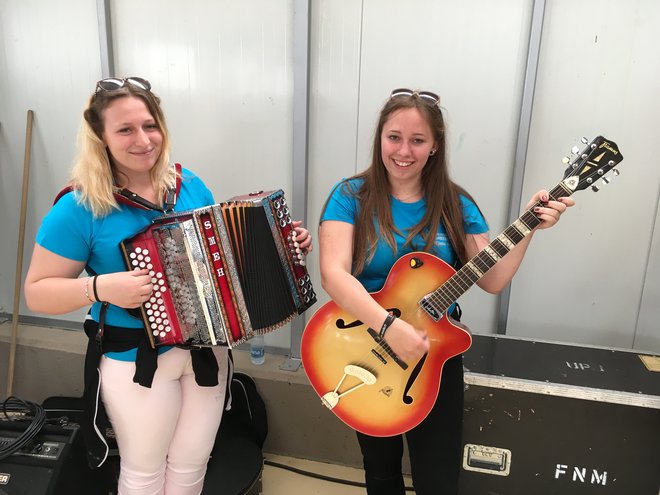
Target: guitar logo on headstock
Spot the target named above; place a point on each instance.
(592, 163)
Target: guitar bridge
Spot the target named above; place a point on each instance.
(388, 350)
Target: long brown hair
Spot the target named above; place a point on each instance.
(93, 174)
(441, 193)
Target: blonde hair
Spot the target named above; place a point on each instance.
(94, 175)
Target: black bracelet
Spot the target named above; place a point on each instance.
(96, 295)
(386, 324)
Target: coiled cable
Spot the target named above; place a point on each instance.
(13, 408)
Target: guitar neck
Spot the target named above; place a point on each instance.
(442, 298)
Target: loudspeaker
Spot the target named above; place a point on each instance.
(48, 465)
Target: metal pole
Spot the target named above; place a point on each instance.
(105, 38)
(522, 141)
(301, 28)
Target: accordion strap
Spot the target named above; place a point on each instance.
(124, 196)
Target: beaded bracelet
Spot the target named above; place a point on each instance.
(386, 324)
(87, 290)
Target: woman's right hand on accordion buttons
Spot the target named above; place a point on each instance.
(125, 289)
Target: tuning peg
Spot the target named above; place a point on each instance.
(607, 180)
(565, 160)
(575, 150)
(584, 140)
(594, 188)
(616, 172)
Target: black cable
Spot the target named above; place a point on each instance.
(28, 409)
(321, 476)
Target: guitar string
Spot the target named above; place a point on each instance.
(462, 280)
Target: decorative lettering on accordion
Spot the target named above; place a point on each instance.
(222, 273)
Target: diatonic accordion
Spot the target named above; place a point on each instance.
(221, 273)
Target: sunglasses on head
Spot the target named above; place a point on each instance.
(113, 83)
(427, 96)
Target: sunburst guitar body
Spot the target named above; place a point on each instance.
(356, 374)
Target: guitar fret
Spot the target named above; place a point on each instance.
(520, 226)
(526, 220)
(557, 191)
(500, 247)
(530, 219)
(469, 272)
(482, 263)
(514, 235)
(478, 266)
(471, 266)
(491, 252)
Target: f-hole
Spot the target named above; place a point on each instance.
(408, 399)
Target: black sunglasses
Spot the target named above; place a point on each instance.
(114, 83)
(427, 96)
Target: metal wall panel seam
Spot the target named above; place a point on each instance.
(522, 141)
(301, 48)
(105, 38)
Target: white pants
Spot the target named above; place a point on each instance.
(164, 433)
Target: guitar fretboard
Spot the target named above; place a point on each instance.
(438, 301)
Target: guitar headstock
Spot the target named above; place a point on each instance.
(598, 157)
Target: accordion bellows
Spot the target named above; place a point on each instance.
(221, 273)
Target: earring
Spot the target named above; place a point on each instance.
(432, 152)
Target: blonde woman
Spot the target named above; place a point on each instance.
(164, 406)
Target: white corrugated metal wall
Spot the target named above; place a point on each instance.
(225, 71)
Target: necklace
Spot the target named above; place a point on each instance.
(406, 198)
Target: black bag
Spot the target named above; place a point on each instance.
(248, 411)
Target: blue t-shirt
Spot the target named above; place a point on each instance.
(343, 206)
(70, 230)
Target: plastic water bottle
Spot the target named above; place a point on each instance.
(257, 351)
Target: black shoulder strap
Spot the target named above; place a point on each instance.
(124, 196)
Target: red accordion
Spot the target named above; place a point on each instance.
(221, 273)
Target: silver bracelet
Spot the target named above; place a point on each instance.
(87, 290)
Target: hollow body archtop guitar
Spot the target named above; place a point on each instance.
(360, 379)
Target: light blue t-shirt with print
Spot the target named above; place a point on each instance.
(343, 206)
(71, 231)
